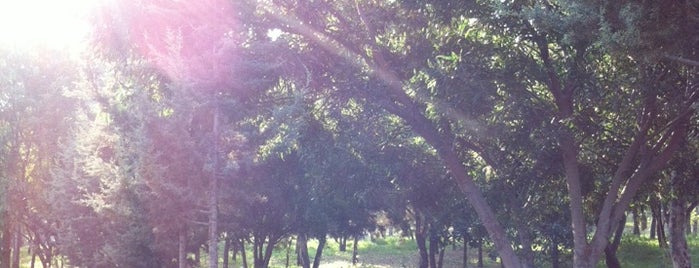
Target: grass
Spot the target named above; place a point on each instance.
(382, 253)
(640, 252)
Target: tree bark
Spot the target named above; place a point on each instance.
(420, 239)
(6, 246)
(319, 251)
(182, 250)
(243, 254)
(433, 250)
(480, 254)
(464, 236)
(303, 259)
(678, 219)
(16, 245)
(213, 196)
(610, 251)
(355, 252)
(636, 222)
(678, 240)
(226, 251)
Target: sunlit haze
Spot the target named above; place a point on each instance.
(60, 25)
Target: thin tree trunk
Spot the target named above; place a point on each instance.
(213, 196)
(16, 245)
(355, 252)
(433, 250)
(182, 250)
(243, 254)
(480, 254)
(319, 252)
(288, 252)
(465, 249)
(653, 227)
(610, 251)
(636, 222)
(440, 261)
(302, 251)
(420, 233)
(268, 251)
(226, 251)
(33, 261)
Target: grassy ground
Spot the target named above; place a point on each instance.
(638, 252)
(383, 253)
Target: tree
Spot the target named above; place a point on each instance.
(558, 65)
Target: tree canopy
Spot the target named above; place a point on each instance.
(534, 125)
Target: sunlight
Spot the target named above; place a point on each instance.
(59, 25)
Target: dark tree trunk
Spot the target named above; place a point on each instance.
(319, 252)
(302, 252)
(653, 227)
(226, 251)
(480, 254)
(197, 257)
(433, 250)
(268, 251)
(440, 261)
(243, 254)
(355, 252)
(636, 222)
(288, 252)
(610, 257)
(33, 261)
(465, 253)
(420, 238)
(343, 243)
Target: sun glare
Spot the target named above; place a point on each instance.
(60, 25)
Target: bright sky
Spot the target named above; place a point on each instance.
(53, 24)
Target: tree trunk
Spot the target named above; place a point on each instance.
(319, 252)
(268, 251)
(465, 249)
(343, 243)
(288, 253)
(610, 251)
(226, 251)
(355, 252)
(480, 254)
(678, 239)
(636, 222)
(243, 254)
(653, 226)
(182, 250)
(302, 251)
(6, 246)
(678, 225)
(16, 245)
(440, 261)
(213, 196)
(420, 233)
(433, 250)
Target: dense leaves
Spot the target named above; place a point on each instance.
(527, 126)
